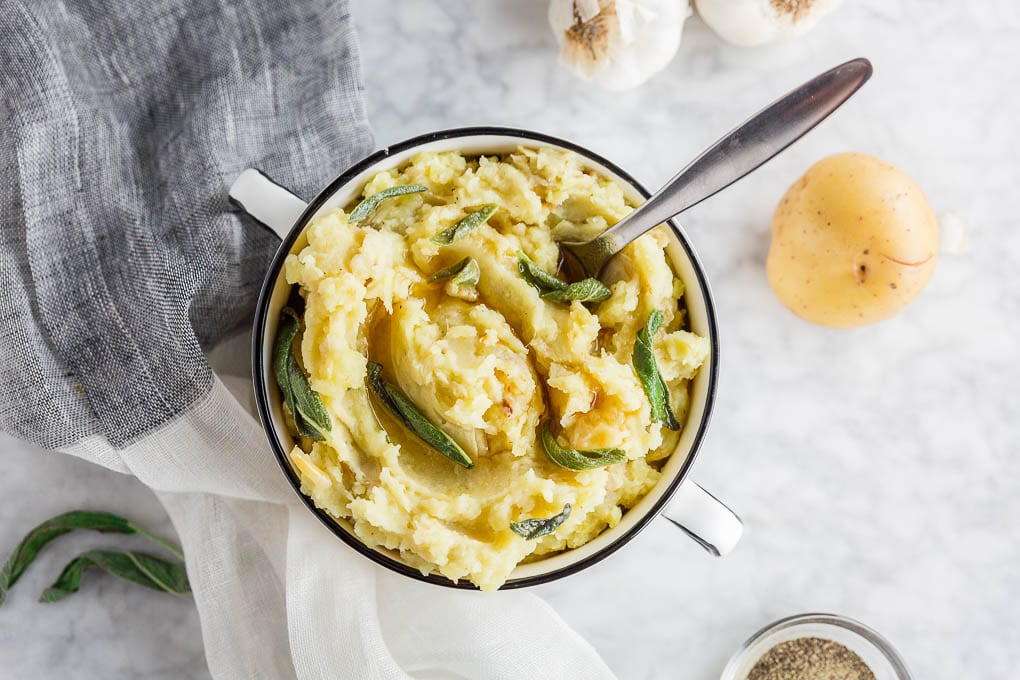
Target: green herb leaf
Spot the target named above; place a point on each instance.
(310, 416)
(313, 419)
(536, 528)
(141, 568)
(413, 419)
(536, 276)
(465, 272)
(588, 290)
(648, 373)
(578, 459)
(282, 350)
(465, 226)
(56, 527)
(469, 275)
(367, 206)
(551, 288)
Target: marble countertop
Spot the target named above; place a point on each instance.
(874, 468)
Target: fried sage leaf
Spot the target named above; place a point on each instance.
(405, 411)
(578, 459)
(367, 206)
(536, 276)
(551, 288)
(306, 408)
(537, 528)
(56, 527)
(465, 226)
(648, 373)
(465, 272)
(141, 568)
(588, 290)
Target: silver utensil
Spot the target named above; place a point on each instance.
(740, 152)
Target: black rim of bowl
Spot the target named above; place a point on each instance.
(262, 388)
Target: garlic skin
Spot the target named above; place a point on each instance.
(759, 22)
(618, 44)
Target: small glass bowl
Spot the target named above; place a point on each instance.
(873, 649)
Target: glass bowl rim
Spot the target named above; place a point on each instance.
(869, 635)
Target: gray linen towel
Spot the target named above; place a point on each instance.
(123, 124)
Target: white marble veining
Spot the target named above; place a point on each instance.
(875, 468)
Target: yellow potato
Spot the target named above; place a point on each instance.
(853, 242)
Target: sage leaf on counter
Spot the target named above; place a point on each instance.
(552, 288)
(465, 273)
(306, 408)
(537, 528)
(56, 527)
(370, 203)
(648, 373)
(141, 568)
(407, 413)
(465, 226)
(578, 459)
(588, 290)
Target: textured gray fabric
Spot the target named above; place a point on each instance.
(122, 124)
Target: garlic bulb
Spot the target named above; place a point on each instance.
(758, 22)
(953, 231)
(618, 44)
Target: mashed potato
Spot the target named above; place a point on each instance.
(487, 363)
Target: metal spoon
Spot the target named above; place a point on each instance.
(741, 151)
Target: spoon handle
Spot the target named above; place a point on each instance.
(743, 150)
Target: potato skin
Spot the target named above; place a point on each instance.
(853, 242)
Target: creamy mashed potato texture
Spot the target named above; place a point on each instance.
(487, 363)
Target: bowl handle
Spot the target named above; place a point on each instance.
(266, 202)
(704, 518)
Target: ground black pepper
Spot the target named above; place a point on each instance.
(810, 658)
